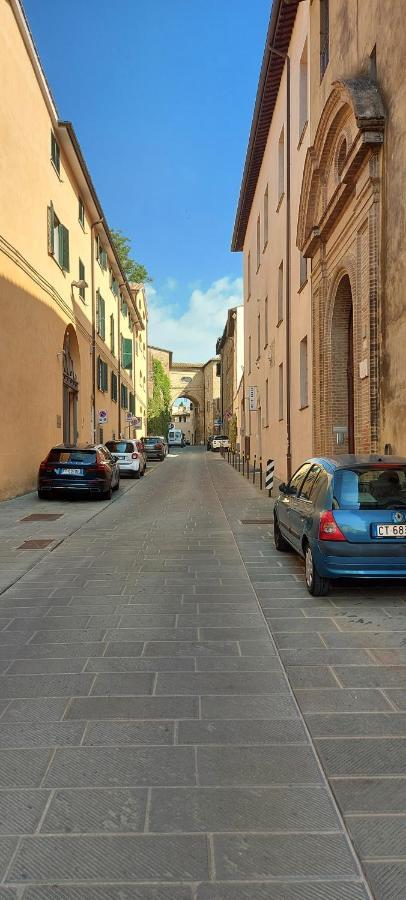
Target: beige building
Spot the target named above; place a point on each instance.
(212, 384)
(277, 419)
(141, 359)
(69, 319)
(183, 418)
(230, 347)
(352, 224)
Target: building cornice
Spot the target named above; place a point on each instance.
(278, 37)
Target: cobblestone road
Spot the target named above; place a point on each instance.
(151, 747)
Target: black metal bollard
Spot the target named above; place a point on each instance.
(248, 468)
(260, 473)
(243, 465)
(255, 466)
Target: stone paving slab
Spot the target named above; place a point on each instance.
(167, 754)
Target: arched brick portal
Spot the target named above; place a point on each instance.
(187, 380)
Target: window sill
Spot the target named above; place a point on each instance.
(302, 134)
(302, 286)
(265, 246)
(280, 201)
(279, 323)
(248, 298)
(265, 345)
(305, 406)
(258, 268)
(280, 419)
(57, 263)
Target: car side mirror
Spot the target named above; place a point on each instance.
(282, 488)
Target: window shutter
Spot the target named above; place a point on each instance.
(127, 353)
(97, 312)
(105, 377)
(112, 339)
(51, 249)
(99, 372)
(64, 247)
(102, 321)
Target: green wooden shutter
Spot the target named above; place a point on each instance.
(127, 353)
(51, 217)
(112, 337)
(97, 311)
(64, 248)
(102, 320)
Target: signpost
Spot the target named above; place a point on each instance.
(252, 398)
(103, 417)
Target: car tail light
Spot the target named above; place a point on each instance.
(159, 446)
(134, 456)
(43, 465)
(328, 529)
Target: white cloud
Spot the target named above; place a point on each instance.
(192, 334)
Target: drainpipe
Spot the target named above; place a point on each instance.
(93, 347)
(119, 358)
(286, 58)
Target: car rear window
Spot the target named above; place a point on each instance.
(119, 446)
(153, 440)
(86, 457)
(375, 487)
(220, 437)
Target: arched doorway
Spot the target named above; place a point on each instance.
(342, 369)
(70, 386)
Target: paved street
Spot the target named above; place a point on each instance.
(151, 746)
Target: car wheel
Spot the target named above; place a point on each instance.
(42, 495)
(142, 473)
(117, 485)
(280, 543)
(106, 495)
(161, 458)
(315, 583)
(137, 474)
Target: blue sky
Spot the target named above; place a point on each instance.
(161, 94)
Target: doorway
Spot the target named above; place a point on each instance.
(70, 391)
(342, 370)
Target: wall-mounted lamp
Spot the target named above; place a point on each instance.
(81, 284)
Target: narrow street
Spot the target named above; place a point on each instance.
(155, 746)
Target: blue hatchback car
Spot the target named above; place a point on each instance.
(346, 517)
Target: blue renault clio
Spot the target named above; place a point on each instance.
(346, 517)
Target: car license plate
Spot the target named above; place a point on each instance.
(71, 471)
(390, 531)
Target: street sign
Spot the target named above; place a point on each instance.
(129, 417)
(252, 398)
(136, 422)
(103, 417)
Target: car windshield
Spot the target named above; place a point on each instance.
(119, 446)
(62, 455)
(376, 487)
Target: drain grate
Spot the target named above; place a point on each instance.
(42, 517)
(39, 544)
(256, 521)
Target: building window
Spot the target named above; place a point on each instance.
(281, 166)
(304, 396)
(113, 386)
(249, 355)
(112, 335)
(303, 103)
(258, 335)
(124, 397)
(124, 307)
(266, 403)
(55, 153)
(266, 217)
(102, 375)
(58, 240)
(218, 370)
(248, 275)
(281, 392)
(266, 322)
(303, 270)
(280, 293)
(100, 316)
(82, 278)
(101, 254)
(126, 353)
(258, 242)
(81, 213)
(324, 36)
(373, 70)
(114, 285)
(132, 404)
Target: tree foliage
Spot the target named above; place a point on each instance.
(134, 271)
(159, 405)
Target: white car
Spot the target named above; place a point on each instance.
(131, 456)
(220, 442)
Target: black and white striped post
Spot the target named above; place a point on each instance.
(270, 468)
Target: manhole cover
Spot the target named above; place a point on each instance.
(256, 521)
(42, 517)
(35, 544)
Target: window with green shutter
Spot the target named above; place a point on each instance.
(100, 316)
(113, 385)
(81, 213)
(82, 278)
(124, 396)
(114, 285)
(58, 239)
(55, 153)
(126, 353)
(112, 336)
(102, 375)
(132, 404)
(124, 307)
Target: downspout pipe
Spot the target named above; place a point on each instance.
(286, 58)
(93, 348)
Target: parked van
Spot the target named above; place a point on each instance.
(176, 438)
